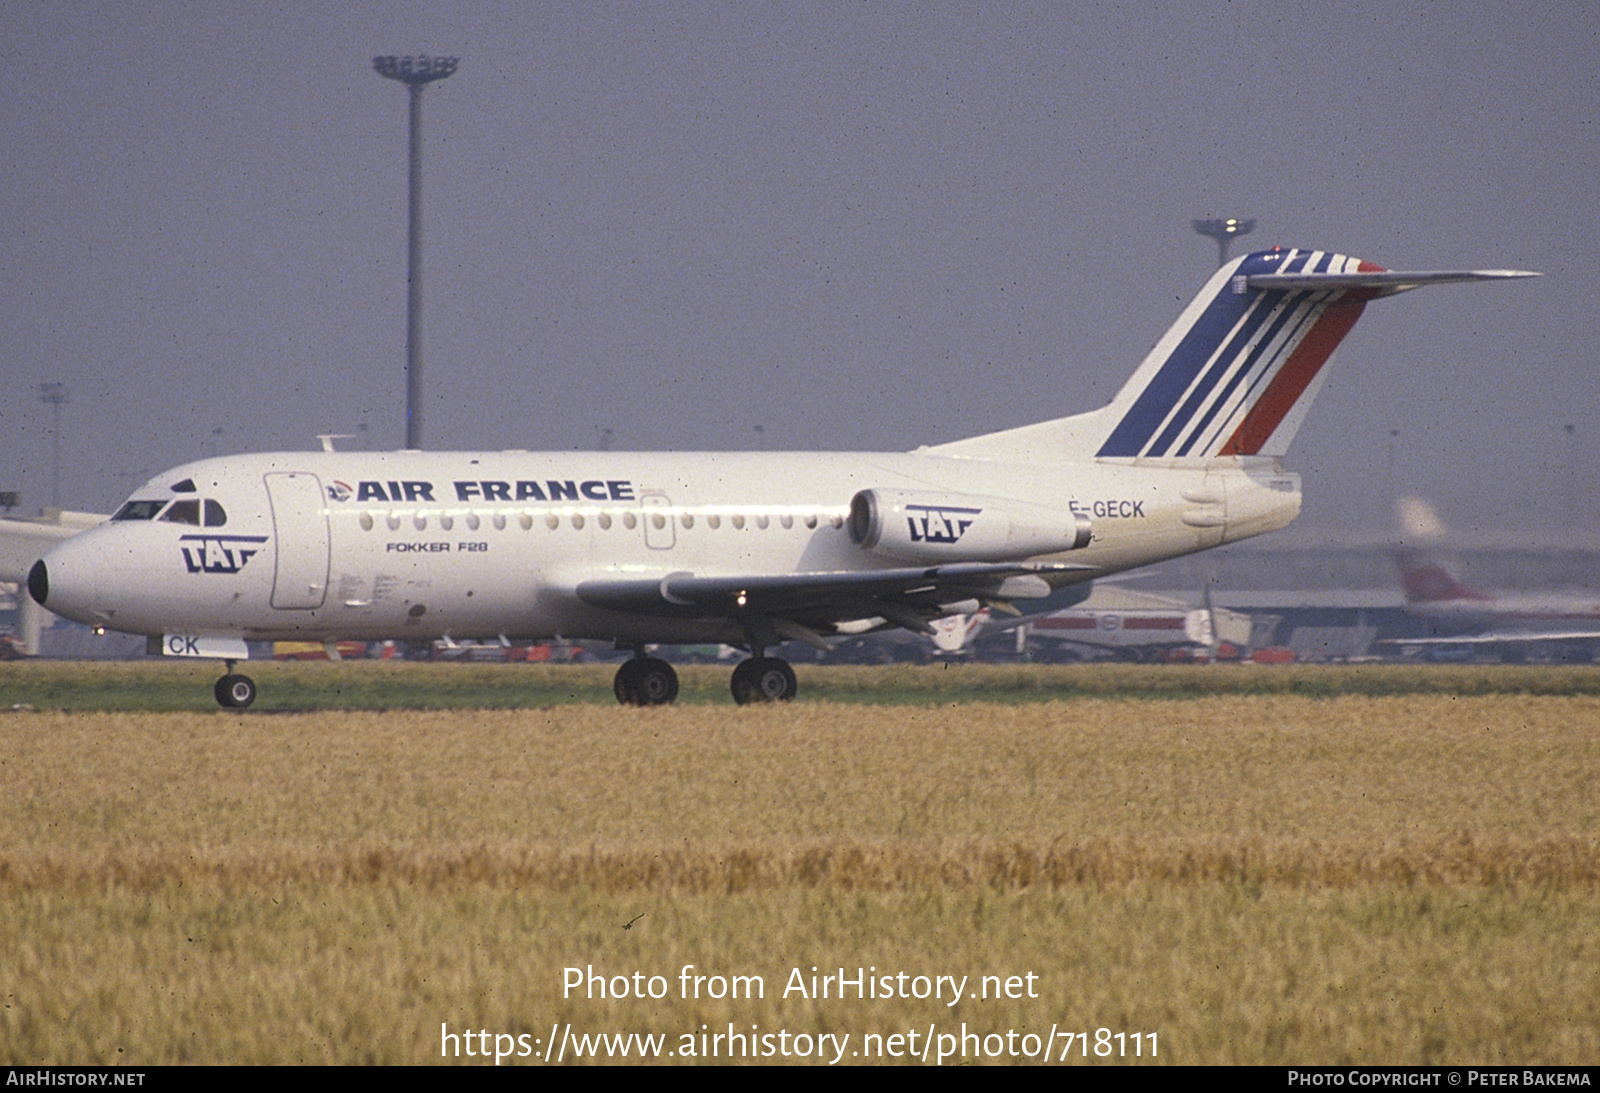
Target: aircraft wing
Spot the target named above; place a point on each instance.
(909, 597)
(1502, 637)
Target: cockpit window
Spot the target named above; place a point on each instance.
(182, 512)
(139, 510)
(186, 511)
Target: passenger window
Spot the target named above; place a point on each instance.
(182, 512)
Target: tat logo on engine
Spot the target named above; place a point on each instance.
(939, 523)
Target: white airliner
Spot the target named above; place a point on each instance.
(1514, 626)
(746, 549)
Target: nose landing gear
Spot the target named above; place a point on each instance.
(234, 691)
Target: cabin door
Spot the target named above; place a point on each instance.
(300, 524)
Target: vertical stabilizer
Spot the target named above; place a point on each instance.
(1235, 375)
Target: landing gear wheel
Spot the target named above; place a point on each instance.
(645, 681)
(235, 692)
(763, 679)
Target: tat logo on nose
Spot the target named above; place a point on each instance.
(219, 553)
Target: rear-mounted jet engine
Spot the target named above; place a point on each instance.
(934, 528)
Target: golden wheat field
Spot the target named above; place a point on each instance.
(1227, 878)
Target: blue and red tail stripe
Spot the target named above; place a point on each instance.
(1246, 360)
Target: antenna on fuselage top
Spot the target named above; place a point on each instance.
(328, 439)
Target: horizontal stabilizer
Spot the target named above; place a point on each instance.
(1386, 282)
(1235, 375)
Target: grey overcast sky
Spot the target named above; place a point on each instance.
(855, 225)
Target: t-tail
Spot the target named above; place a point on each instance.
(1236, 373)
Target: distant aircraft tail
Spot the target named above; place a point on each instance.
(1236, 373)
(1428, 580)
(1425, 578)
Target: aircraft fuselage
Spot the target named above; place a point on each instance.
(478, 545)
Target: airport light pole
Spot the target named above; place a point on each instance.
(1569, 488)
(1223, 232)
(416, 73)
(1394, 491)
(55, 394)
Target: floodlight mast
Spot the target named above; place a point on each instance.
(55, 396)
(416, 73)
(1223, 232)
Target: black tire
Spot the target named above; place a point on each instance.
(658, 682)
(763, 679)
(235, 692)
(645, 681)
(626, 683)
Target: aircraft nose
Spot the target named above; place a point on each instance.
(39, 583)
(73, 580)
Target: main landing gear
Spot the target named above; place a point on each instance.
(234, 691)
(645, 681)
(650, 681)
(763, 679)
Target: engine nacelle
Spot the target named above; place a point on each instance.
(933, 528)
